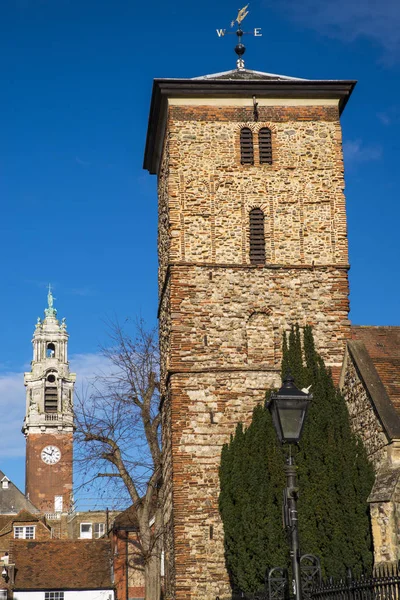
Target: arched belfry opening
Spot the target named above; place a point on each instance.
(50, 350)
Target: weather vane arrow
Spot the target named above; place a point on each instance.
(240, 48)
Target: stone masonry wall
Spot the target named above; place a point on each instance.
(210, 193)
(221, 318)
(364, 421)
(205, 409)
(219, 313)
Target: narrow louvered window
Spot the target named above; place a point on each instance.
(257, 238)
(265, 145)
(246, 146)
(50, 399)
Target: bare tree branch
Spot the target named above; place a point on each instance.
(118, 424)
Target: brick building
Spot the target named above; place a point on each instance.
(252, 238)
(128, 560)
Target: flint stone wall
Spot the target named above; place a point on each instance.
(364, 420)
(222, 319)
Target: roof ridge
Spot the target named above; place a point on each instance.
(245, 72)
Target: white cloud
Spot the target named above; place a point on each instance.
(378, 20)
(12, 410)
(88, 366)
(390, 116)
(355, 151)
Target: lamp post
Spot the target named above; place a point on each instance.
(288, 408)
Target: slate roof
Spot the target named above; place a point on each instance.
(63, 565)
(383, 347)
(12, 500)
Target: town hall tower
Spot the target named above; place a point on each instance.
(49, 424)
(252, 239)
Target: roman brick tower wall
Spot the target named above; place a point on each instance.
(49, 423)
(222, 309)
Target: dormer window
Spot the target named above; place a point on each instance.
(50, 350)
(25, 532)
(246, 146)
(4, 483)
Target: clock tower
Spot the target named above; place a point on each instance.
(49, 422)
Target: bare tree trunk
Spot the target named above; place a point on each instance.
(152, 576)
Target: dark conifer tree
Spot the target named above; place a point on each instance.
(335, 479)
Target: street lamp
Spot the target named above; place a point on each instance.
(288, 408)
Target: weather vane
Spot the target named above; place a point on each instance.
(240, 48)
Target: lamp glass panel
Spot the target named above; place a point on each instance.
(291, 422)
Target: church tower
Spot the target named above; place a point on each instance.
(252, 238)
(49, 423)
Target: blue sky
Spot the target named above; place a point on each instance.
(78, 210)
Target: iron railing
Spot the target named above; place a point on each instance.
(383, 584)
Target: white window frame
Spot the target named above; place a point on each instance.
(54, 596)
(101, 530)
(58, 504)
(86, 535)
(3, 594)
(24, 532)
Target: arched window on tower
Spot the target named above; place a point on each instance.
(257, 236)
(265, 146)
(50, 350)
(246, 146)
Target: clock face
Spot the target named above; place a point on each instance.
(50, 455)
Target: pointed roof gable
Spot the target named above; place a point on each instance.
(12, 500)
(247, 75)
(375, 351)
(383, 346)
(23, 516)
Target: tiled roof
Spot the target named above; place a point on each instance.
(63, 564)
(383, 347)
(22, 517)
(4, 520)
